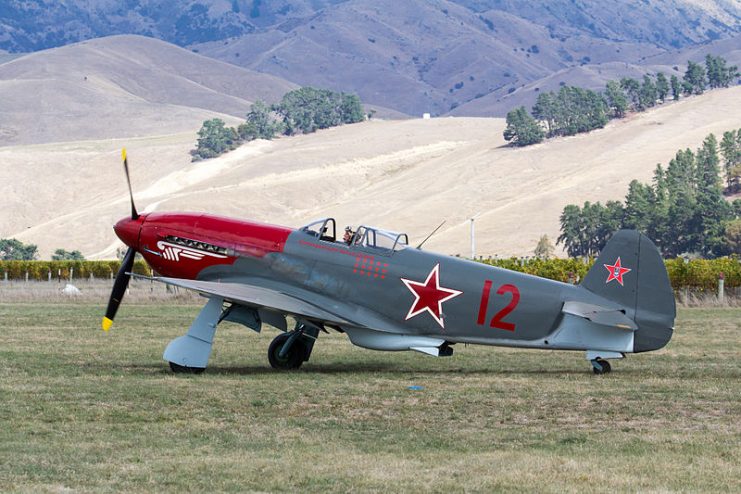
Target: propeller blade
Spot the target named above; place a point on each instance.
(119, 288)
(134, 214)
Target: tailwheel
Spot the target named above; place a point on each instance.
(601, 366)
(287, 357)
(182, 369)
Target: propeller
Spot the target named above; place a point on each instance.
(123, 276)
(119, 288)
(134, 214)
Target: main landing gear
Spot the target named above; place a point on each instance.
(598, 359)
(289, 350)
(600, 366)
(189, 354)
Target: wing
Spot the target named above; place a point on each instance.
(258, 297)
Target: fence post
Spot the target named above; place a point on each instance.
(26, 276)
(71, 273)
(59, 275)
(721, 287)
(48, 275)
(5, 275)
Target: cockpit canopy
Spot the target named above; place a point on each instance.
(364, 238)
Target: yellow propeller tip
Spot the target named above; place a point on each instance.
(107, 323)
(123, 154)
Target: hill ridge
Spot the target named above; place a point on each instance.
(402, 175)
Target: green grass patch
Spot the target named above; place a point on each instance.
(87, 411)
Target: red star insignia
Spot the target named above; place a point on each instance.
(429, 296)
(616, 271)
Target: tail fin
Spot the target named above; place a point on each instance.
(630, 272)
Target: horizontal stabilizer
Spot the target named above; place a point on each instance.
(599, 315)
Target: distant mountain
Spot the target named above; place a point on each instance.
(434, 56)
(439, 56)
(595, 76)
(122, 86)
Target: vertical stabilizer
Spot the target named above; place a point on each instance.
(631, 272)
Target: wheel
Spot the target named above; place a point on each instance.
(295, 357)
(600, 366)
(182, 369)
(606, 366)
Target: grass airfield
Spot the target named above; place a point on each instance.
(86, 411)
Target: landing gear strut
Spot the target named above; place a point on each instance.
(288, 351)
(601, 366)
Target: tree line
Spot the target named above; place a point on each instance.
(683, 209)
(573, 110)
(303, 110)
(12, 249)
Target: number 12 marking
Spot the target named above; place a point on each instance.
(498, 320)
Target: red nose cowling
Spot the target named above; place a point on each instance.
(128, 230)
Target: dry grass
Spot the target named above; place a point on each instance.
(88, 411)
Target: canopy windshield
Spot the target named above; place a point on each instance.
(365, 237)
(376, 238)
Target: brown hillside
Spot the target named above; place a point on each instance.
(403, 175)
(121, 86)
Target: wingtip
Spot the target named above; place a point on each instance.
(106, 324)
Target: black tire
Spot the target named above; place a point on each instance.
(602, 367)
(182, 369)
(294, 359)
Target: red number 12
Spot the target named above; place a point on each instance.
(497, 321)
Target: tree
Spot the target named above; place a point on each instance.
(15, 250)
(659, 229)
(571, 235)
(711, 208)
(546, 110)
(662, 86)
(259, 123)
(522, 129)
(586, 230)
(616, 99)
(733, 236)
(633, 89)
(676, 87)
(580, 110)
(694, 78)
(647, 95)
(719, 74)
(611, 219)
(681, 185)
(351, 109)
(639, 204)
(64, 255)
(214, 139)
(308, 109)
(544, 249)
(730, 148)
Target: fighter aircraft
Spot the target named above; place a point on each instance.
(387, 295)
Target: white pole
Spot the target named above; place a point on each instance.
(473, 240)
